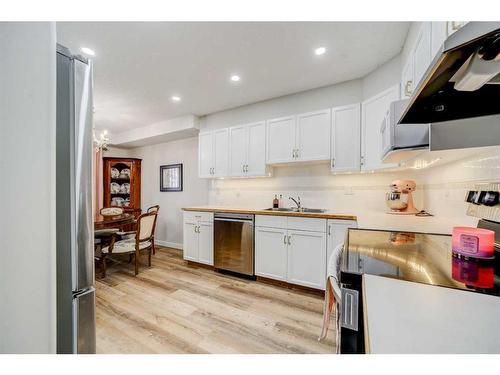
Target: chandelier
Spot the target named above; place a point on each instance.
(101, 141)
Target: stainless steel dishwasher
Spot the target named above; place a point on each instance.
(234, 242)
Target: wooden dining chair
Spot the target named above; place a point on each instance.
(156, 209)
(142, 241)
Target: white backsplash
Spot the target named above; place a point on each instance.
(440, 190)
(315, 185)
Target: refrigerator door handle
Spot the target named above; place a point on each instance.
(83, 155)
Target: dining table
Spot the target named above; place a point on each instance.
(121, 221)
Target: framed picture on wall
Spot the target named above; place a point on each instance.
(171, 177)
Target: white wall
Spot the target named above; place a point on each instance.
(316, 186)
(195, 192)
(117, 152)
(385, 76)
(445, 186)
(27, 157)
(311, 100)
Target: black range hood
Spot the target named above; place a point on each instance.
(459, 83)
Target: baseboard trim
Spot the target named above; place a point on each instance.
(284, 284)
(169, 244)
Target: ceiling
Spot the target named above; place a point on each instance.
(139, 66)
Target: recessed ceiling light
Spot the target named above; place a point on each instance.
(87, 51)
(176, 98)
(320, 51)
(235, 78)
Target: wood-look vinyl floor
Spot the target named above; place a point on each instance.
(175, 308)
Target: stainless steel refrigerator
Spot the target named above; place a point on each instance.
(75, 240)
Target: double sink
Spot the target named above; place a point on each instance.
(294, 209)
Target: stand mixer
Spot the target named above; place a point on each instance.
(400, 199)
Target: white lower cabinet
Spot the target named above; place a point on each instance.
(336, 232)
(198, 237)
(307, 258)
(190, 244)
(271, 253)
(206, 243)
(286, 253)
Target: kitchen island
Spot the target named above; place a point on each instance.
(397, 281)
(403, 317)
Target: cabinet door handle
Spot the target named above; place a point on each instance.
(284, 239)
(333, 162)
(329, 230)
(243, 168)
(293, 153)
(289, 240)
(246, 168)
(408, 90)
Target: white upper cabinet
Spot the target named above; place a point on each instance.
(281, 140)
(237, 150)
(256, 149)
(373, 112)
(313, 136)
(407, 79)
(439, 34)
(304, 137)
(422, 53)
(205, 154)
(425, 47)
(221, 153)
(345, 140)
(213, 153)
(247, 150)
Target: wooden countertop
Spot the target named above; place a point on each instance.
(323, 215)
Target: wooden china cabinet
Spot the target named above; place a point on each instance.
(122, 184)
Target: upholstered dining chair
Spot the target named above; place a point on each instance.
(142, 241)
(156, 209)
